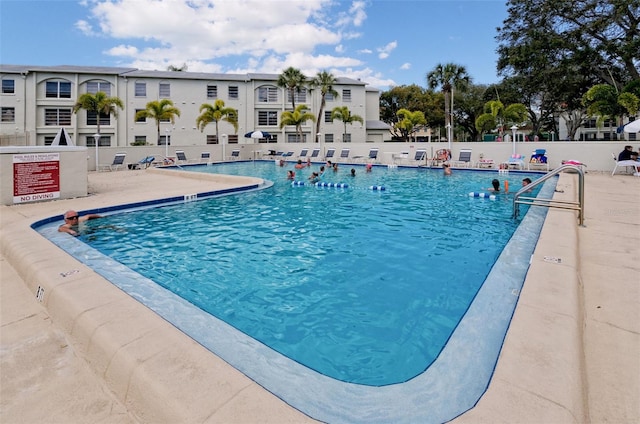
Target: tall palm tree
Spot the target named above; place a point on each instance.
(448, 76)
(497, 115)
(297, 118)
(324, 81)
(100, 104)
(160, 110)
(293, 80)
(216, 113)
(342, 113)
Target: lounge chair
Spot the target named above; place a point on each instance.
(538, 160)
(143, 163)
(181, 157)
(315, 153)
(485, 163)
(303, 153)
(515, 161)
(344, 154)
(420, 158)
(205, 157)
(464, 159)
(118, 162)
(626, 164)
(330, 153)
(235, 154)
(399, 156)
(442, 155)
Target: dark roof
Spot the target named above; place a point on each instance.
(377, 125)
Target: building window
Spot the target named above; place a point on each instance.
(48, 140)
(299, 96)
(327, 116)
(328, 97)
(212, 91)
(346, 138)
(233, 92)
(268, 95)
(57, 117)
(105, 119)
(212, 139)
(165, 90)
(233, 139)
(94, 86)
(328, 138)
(140, 140)
(58, 90)
(267, 118)
(142, 119)
(295, 138)
(105, 141)
(8, 114)
(164, 139)
(346, 95)
(8, 86)
(140, 89)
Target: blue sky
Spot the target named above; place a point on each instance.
(384, 43)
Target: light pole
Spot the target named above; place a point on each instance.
(513, 136)
(224, 141)
(96, 137)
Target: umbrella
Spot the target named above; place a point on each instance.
(633, 126)
(258, 134)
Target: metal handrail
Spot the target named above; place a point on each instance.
(551, 203)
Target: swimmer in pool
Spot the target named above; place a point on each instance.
(72, 222)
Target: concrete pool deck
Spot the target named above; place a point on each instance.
(87, 352)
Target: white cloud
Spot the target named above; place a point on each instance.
(384, 52)
(365, 51)
(339, 48)
(405, 66)
(84, 27)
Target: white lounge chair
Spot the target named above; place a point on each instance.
(626, 164)
(464, 159)
(118, 162)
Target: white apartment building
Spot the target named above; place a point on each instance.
(37, 101)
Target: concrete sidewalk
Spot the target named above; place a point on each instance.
(556, 366)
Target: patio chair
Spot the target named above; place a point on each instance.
(538, 160)
(344, 153)
(515, 161)
(442, 155)
(464, 159)
(315, 153)
(118, 162)
(143, 163)
(420, 158)
(205, 157)
(181, 157)
(626, 164)
(235, 154)
(399, 156)
(303, 153)
(330, 153)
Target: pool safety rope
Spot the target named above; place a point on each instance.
(482, 195)
(334, 185)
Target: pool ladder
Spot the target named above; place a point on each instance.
(518, 198)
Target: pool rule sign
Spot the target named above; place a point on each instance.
(36, 176)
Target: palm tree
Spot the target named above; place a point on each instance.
(100, 104)
(448, 76)
(216, 113)
(293, 81)
(297, 118)
(342, 113)
(324, 81)
(409, 122)
(160, 110)
(606, 102)
(497, 115)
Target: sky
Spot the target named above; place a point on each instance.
(384, 43)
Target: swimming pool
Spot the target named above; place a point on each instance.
(338, 222)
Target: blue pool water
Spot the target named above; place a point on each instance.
(362, 286)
